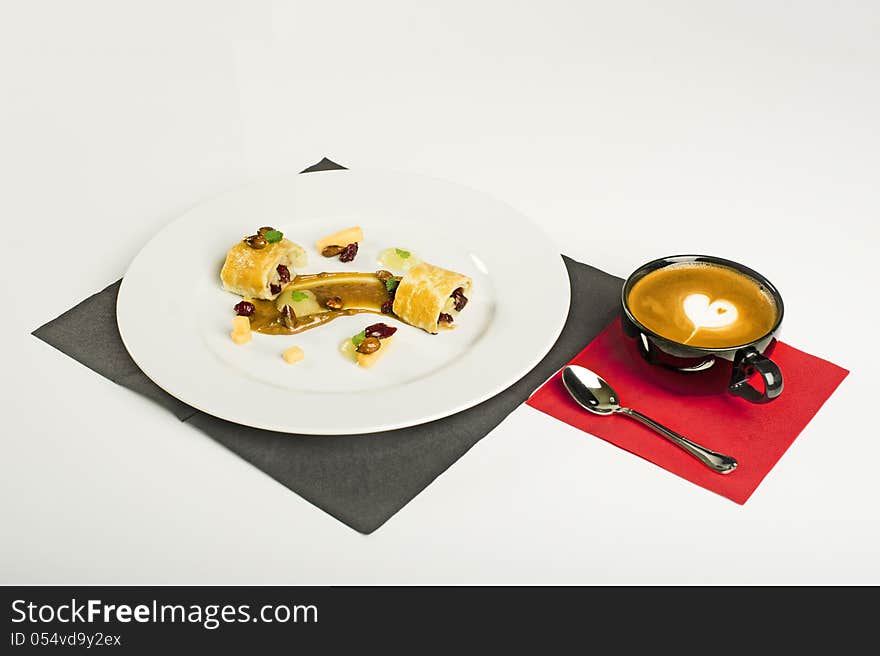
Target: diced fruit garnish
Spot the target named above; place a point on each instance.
(349, 350)
(399, 259)
(241, 330)
(367, 360)
(342, 238)
(241, 324)
(241, 338)
(293, 354)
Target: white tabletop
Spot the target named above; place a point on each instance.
(628, 130)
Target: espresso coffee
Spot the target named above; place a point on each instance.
(703, 304)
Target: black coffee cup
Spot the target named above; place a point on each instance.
(743, 360)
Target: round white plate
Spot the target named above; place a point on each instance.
(175, 319)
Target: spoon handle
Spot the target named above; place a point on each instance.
(717, 461)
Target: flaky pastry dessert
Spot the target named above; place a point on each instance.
(278, 301)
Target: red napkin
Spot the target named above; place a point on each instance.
(697, 406)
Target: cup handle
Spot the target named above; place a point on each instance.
(746, 362)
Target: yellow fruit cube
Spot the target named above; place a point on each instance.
(240, 338)
(241, 325)
(367, 360)
(293, 355)
(241, 330)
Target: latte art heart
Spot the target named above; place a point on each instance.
(702, 304)
(705, 314)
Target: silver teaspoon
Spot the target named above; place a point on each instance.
(594, 394)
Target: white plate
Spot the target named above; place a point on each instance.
(175, 319)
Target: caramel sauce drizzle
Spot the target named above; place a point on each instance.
(360, 293)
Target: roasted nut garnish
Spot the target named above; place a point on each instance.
(384, 275)
(256, 241)
(288, 318)
(333, 303)
(332, 251)
(369, 345)
(262, 231)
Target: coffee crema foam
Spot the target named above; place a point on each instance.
(703, 304)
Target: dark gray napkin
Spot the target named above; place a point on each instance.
(361, 480)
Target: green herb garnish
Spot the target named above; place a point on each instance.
(357, 339)
(273, 236)
(298, 296)
(402, 254)
(391, 285)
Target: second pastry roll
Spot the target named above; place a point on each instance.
(426, 292)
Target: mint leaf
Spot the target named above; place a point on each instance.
(402, 254)
(357, 339)
(299, 296)
(391, 285)
(273, 236)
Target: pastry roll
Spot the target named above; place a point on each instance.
(429, 297)
(260, 273)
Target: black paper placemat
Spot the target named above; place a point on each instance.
(362, 480)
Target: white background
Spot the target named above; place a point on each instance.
(629, 130)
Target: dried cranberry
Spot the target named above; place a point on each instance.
(275, 289)
(444, 318)
(379, 330)
(348, 253)
(283, 273)
(460, 299)
(244, 309)
(387, 307)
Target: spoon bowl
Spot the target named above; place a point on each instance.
(591, 392)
